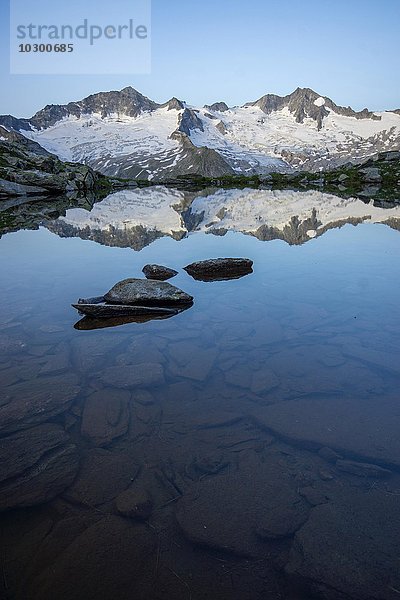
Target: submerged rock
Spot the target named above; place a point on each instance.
(220, 268)
(134, 503)
(158, 272)
(314, 423)
(139, 375)
(234, 511)
(363, 469)
(102, 476)
(32, 402)
(143, 292)
(36, 466)
(111, 559)
(191, 361)
(106, 416)
(349, 548)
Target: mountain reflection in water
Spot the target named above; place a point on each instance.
(135, 218)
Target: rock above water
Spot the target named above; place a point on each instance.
(158, 272)
(36, 466)
(220, 268)
(148, 293)
(32, 402)
(27, 168)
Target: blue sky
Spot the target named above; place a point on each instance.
(213, 50)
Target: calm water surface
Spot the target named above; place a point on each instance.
(246, 448)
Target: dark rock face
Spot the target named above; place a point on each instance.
(36, 466)
(127, 102)
(391, 155)
(105, 416)
(188, 121)
(198, 161)
(158, 272)
(217, 106)
(148, 293)
(27, 168)
(25, 143)
(32, 402)
(221, 127)
(10, 122)
(220, 268)
(173, 104)
(301, 104)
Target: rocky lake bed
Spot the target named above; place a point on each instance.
(247, 447)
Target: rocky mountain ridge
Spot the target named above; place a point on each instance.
(27, 168)
(305, 103)
(125, 134)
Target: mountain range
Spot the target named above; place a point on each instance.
(125, 134)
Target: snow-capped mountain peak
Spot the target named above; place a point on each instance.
(124, 133)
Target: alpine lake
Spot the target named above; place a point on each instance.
(247, 448)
